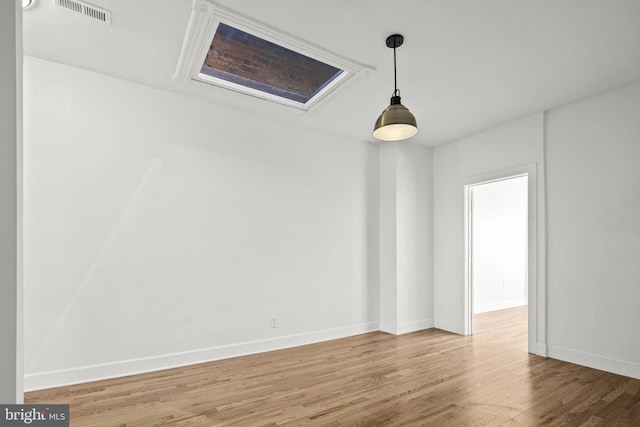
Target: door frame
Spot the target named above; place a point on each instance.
(537, 306)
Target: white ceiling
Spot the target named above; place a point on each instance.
(465, 65)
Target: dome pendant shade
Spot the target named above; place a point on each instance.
(395, 123)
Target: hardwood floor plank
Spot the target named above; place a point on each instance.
(423, 378)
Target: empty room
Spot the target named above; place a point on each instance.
(285, 213)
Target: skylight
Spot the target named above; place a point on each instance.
(249, 61)
(225, 49)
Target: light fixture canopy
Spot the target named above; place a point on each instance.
(27, 3)
(396, 122)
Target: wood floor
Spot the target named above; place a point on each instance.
(424, 378)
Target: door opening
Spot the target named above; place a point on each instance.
(497, 245)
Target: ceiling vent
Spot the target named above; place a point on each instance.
(86, 9)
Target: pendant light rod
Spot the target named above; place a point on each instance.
(395, 73)
(394, 41)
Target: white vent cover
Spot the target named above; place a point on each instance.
(86, 9)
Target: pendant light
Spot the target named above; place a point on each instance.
(396, 122)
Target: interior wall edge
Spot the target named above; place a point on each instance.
(447, 326)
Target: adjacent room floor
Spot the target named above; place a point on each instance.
(423, 378)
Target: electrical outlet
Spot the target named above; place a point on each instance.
(273, 321)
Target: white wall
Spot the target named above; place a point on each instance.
(593, 158)
(499, 245)
(502, 148)
(388, 188)
(10, 202)
(415, 237)
(406, 237)
(161, 230)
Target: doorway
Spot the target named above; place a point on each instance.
(498, 245)
(535, 295)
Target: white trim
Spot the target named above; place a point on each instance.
(205, 17)
(608, 364)
(536, 294)
(484, 308)
(83, 374)
(467, 293)
(543, 248)
(199, 27)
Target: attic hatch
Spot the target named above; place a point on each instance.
(225, 49)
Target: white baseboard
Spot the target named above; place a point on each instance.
(445, 325)
(484, 308)
(83, 374)
(406, 327)
(608, 364)
(44, 380)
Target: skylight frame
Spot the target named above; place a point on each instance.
(205, 18)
